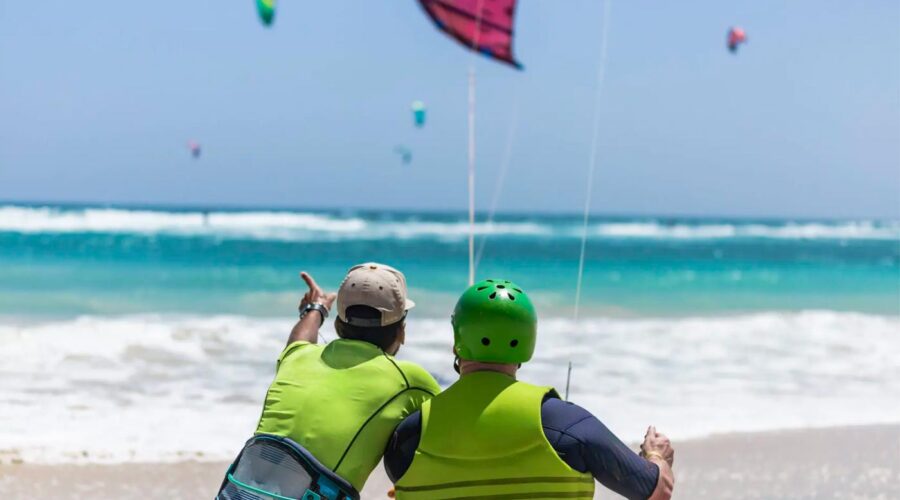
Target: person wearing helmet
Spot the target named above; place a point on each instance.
(491, 436)
(331, 409)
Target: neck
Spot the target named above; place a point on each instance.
(466, 367)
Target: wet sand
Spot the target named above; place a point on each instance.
(847, 463)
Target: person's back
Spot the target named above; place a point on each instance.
(342, 401)
(490, 436)
(482, 438)
(331, 409)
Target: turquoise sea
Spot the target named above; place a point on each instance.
(160, 316)
(59, 261)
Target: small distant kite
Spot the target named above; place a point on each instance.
(736, 37)
(418, 110)
(484, 26)
(266, 9)
(405, 154)
(194, 148)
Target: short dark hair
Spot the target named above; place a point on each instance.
(381, 336)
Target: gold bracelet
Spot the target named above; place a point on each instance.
(650, 454)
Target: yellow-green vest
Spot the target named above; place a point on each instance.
(342, 401)
(482, 438)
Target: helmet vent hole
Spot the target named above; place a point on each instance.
(493, 295)
(511, 296)
(485, 341)
(481, 288)
(516, 289)
(489, 281)
(513, 343)
(501, 287)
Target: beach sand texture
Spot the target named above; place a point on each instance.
(834, 463)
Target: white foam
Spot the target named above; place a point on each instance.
(133, 388)
(301, 226)
(148, 388)
(702, 375)
(50, 220)
(793, 230)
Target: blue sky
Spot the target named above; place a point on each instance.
(97, 101)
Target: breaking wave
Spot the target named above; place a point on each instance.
(302, 226)
(192, 386)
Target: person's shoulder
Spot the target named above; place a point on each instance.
(561, 414)
(296, 347)
(548, 390)
(418, 377)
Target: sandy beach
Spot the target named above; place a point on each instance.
(847, 462)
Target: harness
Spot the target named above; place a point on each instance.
(272, 467)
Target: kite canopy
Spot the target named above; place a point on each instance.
(266, 9)
(194, 148)
(418, 109)
(404, 152)
(485, 26)
(736, 36)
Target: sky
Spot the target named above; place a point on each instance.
(98, 101)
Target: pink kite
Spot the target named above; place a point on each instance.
(736, 36)
(484, 26)
(194, 147)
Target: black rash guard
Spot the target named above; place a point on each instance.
(581, 440)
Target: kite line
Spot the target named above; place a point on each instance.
(592, 166)
(501, 178)
(471, 153)
(592, 163)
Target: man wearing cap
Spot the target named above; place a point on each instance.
(342, 400)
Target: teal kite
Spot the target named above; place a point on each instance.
(266, 10)
(418, 109)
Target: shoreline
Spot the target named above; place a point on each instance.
(834, 462)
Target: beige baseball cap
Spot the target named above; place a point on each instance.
(378, 286)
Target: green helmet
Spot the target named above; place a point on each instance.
(494, 322)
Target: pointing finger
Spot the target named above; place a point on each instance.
(310, 282)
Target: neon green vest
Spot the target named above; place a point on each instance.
(482, 438)
(342, 401)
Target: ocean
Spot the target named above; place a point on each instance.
(151, 333)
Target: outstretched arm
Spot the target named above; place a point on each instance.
(307, 328)
(587, 445)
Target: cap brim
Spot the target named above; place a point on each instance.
(410, 304)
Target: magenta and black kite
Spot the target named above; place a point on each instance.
(485, 26)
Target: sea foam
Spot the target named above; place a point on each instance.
(306, 226)
(159, 388)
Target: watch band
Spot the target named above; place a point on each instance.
(323, 311)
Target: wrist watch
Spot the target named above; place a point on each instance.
(323, 311)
